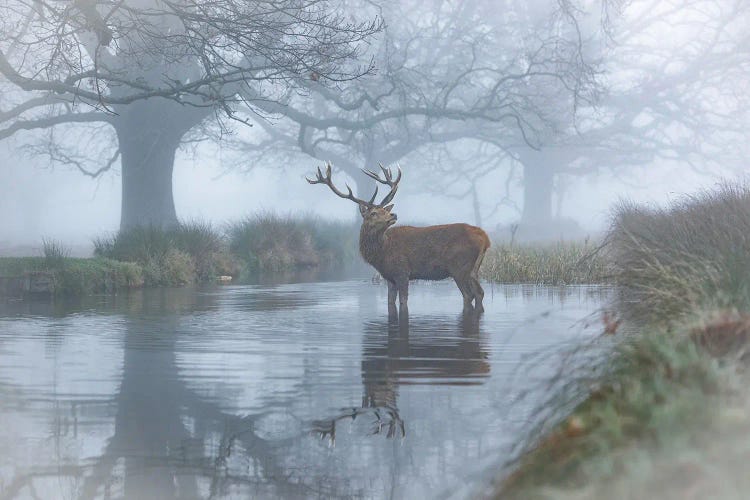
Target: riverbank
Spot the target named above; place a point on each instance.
(262, 244)
(665, 414)
(20, 276)
(193, 252)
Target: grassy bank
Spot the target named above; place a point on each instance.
(194, 252)
(269, 242)
(563, 263)
(665, 415)
(71, 276)
(264, 243)
(190, 253)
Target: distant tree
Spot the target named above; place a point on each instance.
(136, 76)
(673, 77)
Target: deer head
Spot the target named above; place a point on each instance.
(377, 217)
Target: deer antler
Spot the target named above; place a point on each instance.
(388, 181)
(326, 179)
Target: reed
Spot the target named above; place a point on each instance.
(563, 263)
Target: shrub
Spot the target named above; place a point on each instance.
(190, 252)
(139, 244)
(204, 244)
(270, 242)
(176, 268)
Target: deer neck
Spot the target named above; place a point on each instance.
(371, 246)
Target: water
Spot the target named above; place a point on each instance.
(250, 391)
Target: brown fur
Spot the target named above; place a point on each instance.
(406, 253)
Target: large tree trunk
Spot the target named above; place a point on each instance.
(538, 184)
(147, 165)
(149, 134)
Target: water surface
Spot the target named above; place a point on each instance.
(292, 391)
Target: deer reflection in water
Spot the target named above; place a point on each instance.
(413, 353)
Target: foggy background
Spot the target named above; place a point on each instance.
(648, 102)
(39, 201)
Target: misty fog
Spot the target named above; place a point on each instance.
(236, 237)
(642, 107)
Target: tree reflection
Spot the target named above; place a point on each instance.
(168, 442)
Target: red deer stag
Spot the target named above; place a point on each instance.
(406, 253)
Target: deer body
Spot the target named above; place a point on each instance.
(405, 253)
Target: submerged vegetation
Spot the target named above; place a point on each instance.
(664, 414)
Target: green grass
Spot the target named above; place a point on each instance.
(73, 276)
(663, 394)
(272, 242)
(563, 263)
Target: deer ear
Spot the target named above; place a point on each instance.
(388, 208)
(362, 209)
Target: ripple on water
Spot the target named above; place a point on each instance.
(301, 390)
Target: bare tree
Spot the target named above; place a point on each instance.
(150, 71)
(446, 71)
(674, 74)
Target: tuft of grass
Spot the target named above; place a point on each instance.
(695, 252)
(87, 276)
(205, 246)
(139, 244)
(563, 263)
(272, 242)
(191, 252)
(55, 253)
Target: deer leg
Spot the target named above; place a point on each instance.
(466, 292)
(392, 292)
(403, 297)
(478, 292)
(476, 288)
